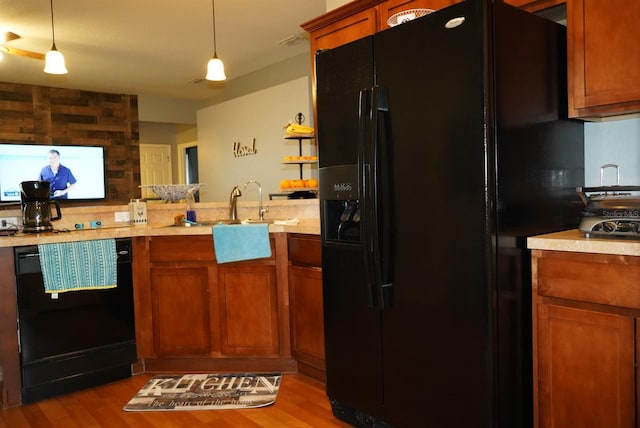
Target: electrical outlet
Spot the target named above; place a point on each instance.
(8, 222)
(121, 216)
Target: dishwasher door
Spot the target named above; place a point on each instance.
(75, 339)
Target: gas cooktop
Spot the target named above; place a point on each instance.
(610, 211)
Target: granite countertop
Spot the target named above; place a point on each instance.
(160, 217)
(574, 240)
(307, 226)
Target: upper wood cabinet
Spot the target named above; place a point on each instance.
(358, 19)
(388, 8)
(353, 27)
(361, 18)
(534, 5)
(355, 20)
(603, 58)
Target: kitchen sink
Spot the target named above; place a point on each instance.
(257, 221)
(210, 223)
(198, 224)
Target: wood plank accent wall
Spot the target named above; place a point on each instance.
(54, 116)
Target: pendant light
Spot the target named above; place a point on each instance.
(215, 67)
(54, 60)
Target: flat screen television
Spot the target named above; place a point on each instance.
(25, 162)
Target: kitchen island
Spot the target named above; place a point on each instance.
(193, 314)
(586, 306)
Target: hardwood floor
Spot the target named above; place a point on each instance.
(301, 402)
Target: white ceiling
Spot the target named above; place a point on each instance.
(151, 47)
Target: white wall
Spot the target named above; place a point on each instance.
(333, 4)
(616, 142)
(260, 115)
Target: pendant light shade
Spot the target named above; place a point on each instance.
(215, 70)
(215, 67)
(54, 60)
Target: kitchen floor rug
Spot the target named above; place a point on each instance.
(206, 392)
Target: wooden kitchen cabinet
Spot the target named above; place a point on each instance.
(585, 315)
(339, 32)
(355, 20)
(361, 18)
(248, 308)
(603, 58)
(388, 8)
(305, 297)
(195, 314)
(174, 281)
(535, 5)
(10, 385)
(181, 310)
(358, 19)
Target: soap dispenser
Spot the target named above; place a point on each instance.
(191, 205)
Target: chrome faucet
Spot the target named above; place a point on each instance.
(233, 203)
(261, 209)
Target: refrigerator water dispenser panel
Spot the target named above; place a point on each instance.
(340, 203)
(340, 182)
(343, 221)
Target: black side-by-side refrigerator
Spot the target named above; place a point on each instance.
(443, 144)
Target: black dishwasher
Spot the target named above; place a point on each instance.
(73, 340)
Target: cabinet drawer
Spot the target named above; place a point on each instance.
(596, 278)
(181, 248)
(305, 250)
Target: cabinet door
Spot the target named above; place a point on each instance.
(248, 310)
(534, 5)
(356, 26)
(391, 7)
(180, 311)
(603, 57)
(585, 362)
(307, 321)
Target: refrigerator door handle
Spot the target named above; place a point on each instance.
(376, 207)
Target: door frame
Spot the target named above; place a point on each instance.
(182, 158)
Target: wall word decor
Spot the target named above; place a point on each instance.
(240, 150)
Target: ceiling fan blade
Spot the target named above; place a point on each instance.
(7, 37)
(21, 52)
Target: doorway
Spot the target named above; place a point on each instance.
(188, 164)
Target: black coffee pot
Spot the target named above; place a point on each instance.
(36, 206)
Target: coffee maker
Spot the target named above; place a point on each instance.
(36, 206)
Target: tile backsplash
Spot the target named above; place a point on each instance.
(613, 142)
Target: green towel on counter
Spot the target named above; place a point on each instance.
(235, 242)
(80, 265)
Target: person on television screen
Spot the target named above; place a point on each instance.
(59, 176)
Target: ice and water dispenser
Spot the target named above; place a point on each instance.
(340, 204)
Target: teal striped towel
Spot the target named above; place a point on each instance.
(235, 242)
(81, 265)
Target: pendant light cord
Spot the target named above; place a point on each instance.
(53, 31)
(213, 8)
